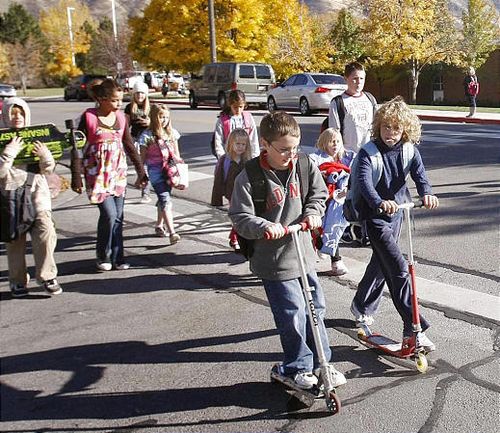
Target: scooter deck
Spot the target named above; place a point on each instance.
(55, 140)
(307, 397)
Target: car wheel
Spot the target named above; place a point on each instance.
(271, 104)
(221, 100)
(193, 103)
(66, 96)
(79, 96)
(304, 107)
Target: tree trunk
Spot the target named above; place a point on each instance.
(415, 73)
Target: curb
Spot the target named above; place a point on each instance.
(434, 118)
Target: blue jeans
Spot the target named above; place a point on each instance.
(290, 315)
(371, 287)
(109, 246)
(384, 240)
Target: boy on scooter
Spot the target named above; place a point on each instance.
(275, 260)
(395, 129)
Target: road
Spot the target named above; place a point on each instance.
(184, 340)
(458, 243)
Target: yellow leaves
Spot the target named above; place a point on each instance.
(4, 62)
(54, 23)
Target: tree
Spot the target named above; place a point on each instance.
(23, 45)
(17, 25)
(347, 38)
(481, 32)
(105, 52)
(413, 33)
(173, 34)
(54, 25)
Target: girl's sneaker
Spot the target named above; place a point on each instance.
(52, 287)
(305, 380)
(338, 268)
(174, 238)
(104, 266)
(160, 232)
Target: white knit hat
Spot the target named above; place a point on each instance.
(140, 87)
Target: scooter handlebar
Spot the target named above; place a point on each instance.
(290, 229)
(408, 205)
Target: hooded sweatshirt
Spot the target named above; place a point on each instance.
(277, 259)
(12, 177)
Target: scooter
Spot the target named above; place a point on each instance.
(387, 345)
(325, 386)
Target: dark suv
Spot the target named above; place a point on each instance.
(77, 87)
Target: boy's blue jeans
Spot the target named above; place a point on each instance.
(290, 315)
(384, 241)
(109, 246)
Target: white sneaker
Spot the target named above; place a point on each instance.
(338, 379)
(338, 268)
(364, 319)
(425, 342)
(104, 266)
(322, 256)
(305, 380)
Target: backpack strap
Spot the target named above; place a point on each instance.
(376, 160)
(372, 100)
(226, 126)
(339, 102)
(258, 182)
(408, 154)
(303, 171)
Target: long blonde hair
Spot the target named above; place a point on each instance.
(156, 127)
(134, 106)
(328, 136)
(233, 136)
(396, 112)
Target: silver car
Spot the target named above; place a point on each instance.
(306, 92)
(7, 91)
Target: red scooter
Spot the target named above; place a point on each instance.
(408, 350)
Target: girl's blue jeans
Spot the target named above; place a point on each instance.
(109, 246)
(290, 315)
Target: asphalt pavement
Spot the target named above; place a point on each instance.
(184, 339)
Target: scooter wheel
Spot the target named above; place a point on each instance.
(421, 362)
(361, 333)
(333, 402)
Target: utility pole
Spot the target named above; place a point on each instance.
(70, 27)
(211, 24)
(113, 16)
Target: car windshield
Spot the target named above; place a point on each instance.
(328, 79)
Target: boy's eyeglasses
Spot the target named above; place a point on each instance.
(286, 152)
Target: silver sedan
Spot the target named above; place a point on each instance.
(306, 92)
(7, 91)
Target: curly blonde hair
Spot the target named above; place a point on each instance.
(397, 113)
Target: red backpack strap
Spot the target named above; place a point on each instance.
(226, 125)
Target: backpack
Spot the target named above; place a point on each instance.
(17, 211)
(226, 125)
(473, 88)
(258, 182)
(353, 198)
(339, 102)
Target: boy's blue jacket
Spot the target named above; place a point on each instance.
(277, 259)
(392, 185)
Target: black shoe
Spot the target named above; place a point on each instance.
(18, 290)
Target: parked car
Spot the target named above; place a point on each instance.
(173, 82)
(7, 91)
(215, 80)
(154, 80)
(78, 86)
(306, 92)
(127, 79)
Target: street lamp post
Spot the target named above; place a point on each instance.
(113, 15)
(68, 11)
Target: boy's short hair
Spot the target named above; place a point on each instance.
(351, 67)
(397, 112)
(275, 125)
